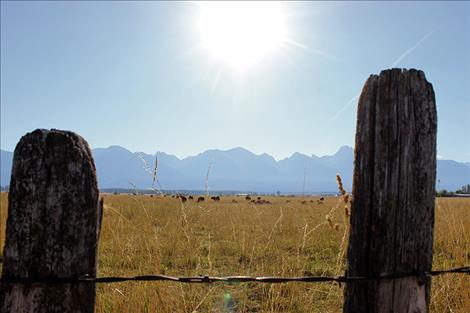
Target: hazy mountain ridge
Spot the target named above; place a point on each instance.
(235, 169)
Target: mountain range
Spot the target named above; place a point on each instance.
(235, 169)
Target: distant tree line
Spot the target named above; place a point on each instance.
(464, 190)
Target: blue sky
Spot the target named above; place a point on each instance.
(135, 74)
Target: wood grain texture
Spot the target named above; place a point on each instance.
(392, 213)
(53, 223)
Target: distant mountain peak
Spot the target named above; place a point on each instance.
(239, 149)
(344, 149)
(165, 154)
(114, 148)
(299, 155)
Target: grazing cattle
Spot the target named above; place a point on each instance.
(259, 201)
(183, 198)
(200, 199)
(234, 201)
(322, 198)
(259, 198)
(248, 198)
(303, 202)
(190, 198)
(215, 198)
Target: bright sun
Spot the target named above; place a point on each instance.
(241, 33)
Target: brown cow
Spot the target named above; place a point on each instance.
(183, 198)
(190, 198)
(248, 198)
(200, 199)
(215, 198)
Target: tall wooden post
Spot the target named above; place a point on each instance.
(53, 224)
(392, 214)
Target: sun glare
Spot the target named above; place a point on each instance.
(241, 33)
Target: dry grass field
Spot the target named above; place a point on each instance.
(160, 235)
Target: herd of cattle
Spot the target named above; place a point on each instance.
(217, 198)
(199, 199)
(256, 200)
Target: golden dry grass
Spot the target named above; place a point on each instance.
(142, 235)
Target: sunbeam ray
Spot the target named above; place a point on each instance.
(398, 60)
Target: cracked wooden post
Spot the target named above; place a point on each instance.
(53, 224)
(392, 214)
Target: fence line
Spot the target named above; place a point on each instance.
(54, 179)
(230, 279)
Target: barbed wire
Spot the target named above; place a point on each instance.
(228, 279)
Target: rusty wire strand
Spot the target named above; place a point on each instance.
(228, 279)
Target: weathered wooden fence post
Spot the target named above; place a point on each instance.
(53, 224)
(392, 214)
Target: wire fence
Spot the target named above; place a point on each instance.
(230, 279)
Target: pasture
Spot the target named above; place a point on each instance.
(286, 237)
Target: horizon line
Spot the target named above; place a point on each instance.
(438, 156)
(218, 149)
